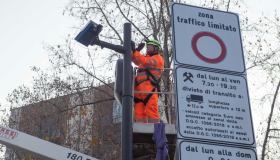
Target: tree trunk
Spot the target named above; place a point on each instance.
(269, 122)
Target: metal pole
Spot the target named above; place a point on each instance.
(117, 48)
(127, 96)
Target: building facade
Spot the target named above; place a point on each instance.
(87, 121)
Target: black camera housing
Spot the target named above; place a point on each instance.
(89, 34)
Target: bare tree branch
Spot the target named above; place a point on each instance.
(86, 71)
(137, 9)
(108, 22)
(130, 21)
(154, 24)
(89, 103)
(148, 18)
(165, 40)
(274, 129)
(167, 8)
(160, 16)
(269, 122)
(228, 5)
(273, 137)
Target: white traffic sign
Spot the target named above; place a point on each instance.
(196, 151)
(207, 38)
(213, 107)
(19, 140)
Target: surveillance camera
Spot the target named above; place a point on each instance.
(89, 34)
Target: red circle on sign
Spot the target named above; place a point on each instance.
(202, 57)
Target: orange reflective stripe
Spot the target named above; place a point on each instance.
(149, 63)
(136, 61)
(156, 71)
(140, 78)
(155, 62)
(157, 76)
(139, 82)
(141, 74)
(152, 63)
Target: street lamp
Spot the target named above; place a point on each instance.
(89, 36)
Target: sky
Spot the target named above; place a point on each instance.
(26, 25)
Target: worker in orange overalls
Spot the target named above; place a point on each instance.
(150, 67)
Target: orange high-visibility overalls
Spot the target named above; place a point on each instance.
(147, 80)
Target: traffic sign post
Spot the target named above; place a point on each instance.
(214, 119)
(213, 107)
(42, 148)
(214, 152)
(207, 38)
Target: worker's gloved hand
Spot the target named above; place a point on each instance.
(132, 46)
(140, 46)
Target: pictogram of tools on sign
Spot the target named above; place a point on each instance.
(188, 76)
